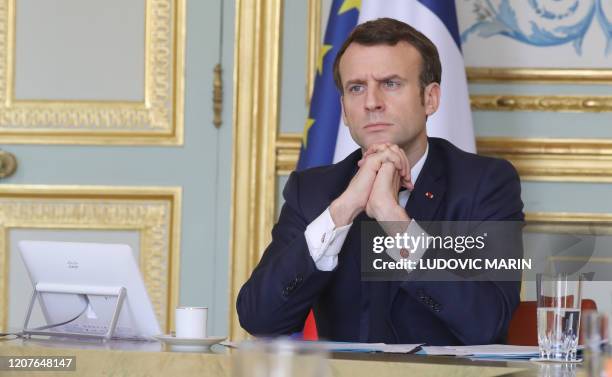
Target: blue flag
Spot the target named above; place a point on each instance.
(321, 129)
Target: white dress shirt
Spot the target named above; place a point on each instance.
(325, 240)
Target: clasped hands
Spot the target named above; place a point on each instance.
(383, 169)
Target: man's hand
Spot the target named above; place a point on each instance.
(383, 202)
(354, 199)
(404, 172)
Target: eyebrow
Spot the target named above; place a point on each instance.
(382, 79)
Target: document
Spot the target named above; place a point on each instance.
(368, 347)
(497, 351)
(349, 346)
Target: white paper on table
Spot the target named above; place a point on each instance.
(444, 351)
(349, 347)
(368, 347)
(498, 350)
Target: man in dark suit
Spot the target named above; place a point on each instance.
(389, 77)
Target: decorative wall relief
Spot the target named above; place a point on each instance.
(537, 33)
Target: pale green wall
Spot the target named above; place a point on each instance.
(293, 110)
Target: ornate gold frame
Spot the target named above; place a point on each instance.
(539, 75)
(313, 43)
(155, 212)
(508, 102)
(570, 222)
(573, 103)
(562, 160)
(158, 120)
(255, 114)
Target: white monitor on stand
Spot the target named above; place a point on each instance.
(88, 290)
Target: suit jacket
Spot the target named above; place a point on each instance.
(286, 283)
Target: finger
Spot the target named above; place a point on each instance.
(397, 181)
(398, 158)
(406, 165)
(392, 153)
(376, 148)
(368, 153)
(391, 171)
(408, 184)
(388, 155)
(387, 152)
(376, 159)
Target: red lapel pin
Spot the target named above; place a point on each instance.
(429, 195)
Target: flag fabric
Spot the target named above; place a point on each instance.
(321, 128)
(326, 139)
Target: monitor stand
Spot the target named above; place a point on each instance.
(80, 290)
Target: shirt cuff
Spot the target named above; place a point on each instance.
(324, 241)
(414, 231)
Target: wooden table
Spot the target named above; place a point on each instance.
(124, 358)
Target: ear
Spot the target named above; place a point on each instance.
(431, 97)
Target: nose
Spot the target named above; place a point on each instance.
(374, 99)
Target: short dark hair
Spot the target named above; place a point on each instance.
(389, 31)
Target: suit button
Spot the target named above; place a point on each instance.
(285, 292)
(436, 308)
(421, 295)
(299, 279)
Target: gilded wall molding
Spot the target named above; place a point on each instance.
(156, 120)
(255, 114)
(313, 44)
(562, 160)
(577, 160)
(287, 152)
(569, 223)
(540, 75)
(152, 211)
(503, 102)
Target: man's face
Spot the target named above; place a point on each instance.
(382, 99)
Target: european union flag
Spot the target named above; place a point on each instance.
(321, 129)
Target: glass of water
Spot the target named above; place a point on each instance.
(559, 301)
(280, 357)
